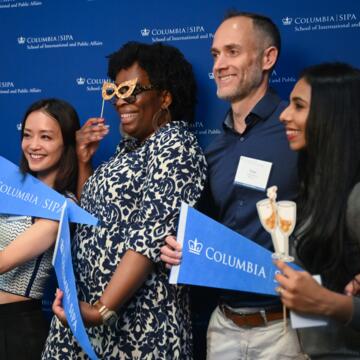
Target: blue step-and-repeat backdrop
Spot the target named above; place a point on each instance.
(55, 48)
(59, 48)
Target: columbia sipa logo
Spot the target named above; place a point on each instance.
(287, 21)
(19, 126)
(21, 40)
(195, 246)
(211, 75)
(80, 80)
(145, 32)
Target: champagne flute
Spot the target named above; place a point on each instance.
(268, 217)
(286, 222)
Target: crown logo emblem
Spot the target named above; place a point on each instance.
(21, 40)
(287, 21)
(80, 80)
(19, 126)
(211, 75)
(195, 246)
(145, 32)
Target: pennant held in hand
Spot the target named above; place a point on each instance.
(23, 194)
(215, 256)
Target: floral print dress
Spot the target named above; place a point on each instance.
(136, 195)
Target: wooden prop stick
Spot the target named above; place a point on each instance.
(102, 108)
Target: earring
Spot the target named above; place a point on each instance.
(160, 118)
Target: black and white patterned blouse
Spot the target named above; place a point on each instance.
(30, 278)
(137, 196)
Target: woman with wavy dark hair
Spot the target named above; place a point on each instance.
(130, 309)
(322, 122)
(48, 153)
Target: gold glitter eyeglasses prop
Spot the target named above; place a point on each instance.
(127, 90)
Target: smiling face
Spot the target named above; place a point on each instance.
(43, 145)
(137, 118)
(237, 69)
(295, 116)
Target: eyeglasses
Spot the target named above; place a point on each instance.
(127, 90)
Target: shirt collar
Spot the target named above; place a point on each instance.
(129, 143)
(262, 110)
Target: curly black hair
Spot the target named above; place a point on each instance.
(166, 68)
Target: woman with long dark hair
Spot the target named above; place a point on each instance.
(322, 122)
(48, 153)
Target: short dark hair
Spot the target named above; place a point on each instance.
(68, 120)
(329, 168)
(263, 24)
(166, 68)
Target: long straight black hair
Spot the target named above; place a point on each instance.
(329, 167)
(68, 120)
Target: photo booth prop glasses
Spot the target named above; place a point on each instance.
(127, 90)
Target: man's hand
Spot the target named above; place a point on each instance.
(171, 252)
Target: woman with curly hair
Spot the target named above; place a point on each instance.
(130, 309)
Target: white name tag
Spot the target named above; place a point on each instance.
(253, 173)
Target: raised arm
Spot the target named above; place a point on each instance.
(87, 142)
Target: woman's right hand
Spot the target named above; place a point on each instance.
(171, 253)
(58, 309)
(89, 137)
(353, 287)
(300, 292)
